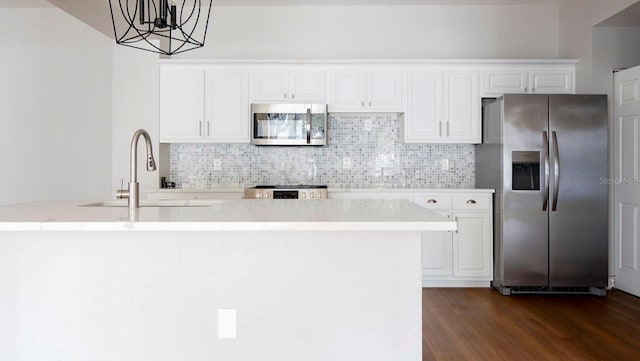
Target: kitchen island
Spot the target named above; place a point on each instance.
(328, 280)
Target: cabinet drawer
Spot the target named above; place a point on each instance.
(472, 202)
(433, 201)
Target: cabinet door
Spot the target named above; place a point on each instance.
(423, 119)
(462, 107)
(437, 253)
(227, 99)
(504, 81)
(181, 104)
(551, 81)
(307, 85)
(472, 245)
(346, 92)
(384, 90)
(271, 86)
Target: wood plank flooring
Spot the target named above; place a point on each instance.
(481, 324)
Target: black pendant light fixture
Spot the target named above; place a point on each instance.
(162, 26)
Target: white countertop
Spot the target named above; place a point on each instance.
(412, 190)
(224, 215)
(354, 190)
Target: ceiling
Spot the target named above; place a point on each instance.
(96, 12)
(45, 3)
(630, 17)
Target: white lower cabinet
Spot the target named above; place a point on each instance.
(473, 246)
(437, 253)
(463, 258)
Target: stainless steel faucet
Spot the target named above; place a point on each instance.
(133, 193)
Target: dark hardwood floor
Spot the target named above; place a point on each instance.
(481, 324)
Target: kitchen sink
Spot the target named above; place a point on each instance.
(157, 203)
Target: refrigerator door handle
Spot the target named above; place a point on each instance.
(545, 198)
(556, 171)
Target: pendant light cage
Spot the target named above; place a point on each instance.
(161, 26)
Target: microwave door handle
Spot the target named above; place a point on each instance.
(309, 125)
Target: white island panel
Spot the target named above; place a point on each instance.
(320, 280)
(104, 295)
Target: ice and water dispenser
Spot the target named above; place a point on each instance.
(525, 171)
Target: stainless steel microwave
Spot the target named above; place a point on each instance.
(289, 124)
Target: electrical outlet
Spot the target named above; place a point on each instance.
(346, 163)
(445, 164)
(217, 164)
(368, 125)
(227, 323)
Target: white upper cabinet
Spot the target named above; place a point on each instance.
(443, 106)
(288, 85)
(181, 104)
(549, 80)
(365, 90)
(441, 101)
(462, 106)
(200, 104)
(227, 112)
(424, 115)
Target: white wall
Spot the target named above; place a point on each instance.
(322, 32)
(135, 105)
(55, 107)
(613, 47)
(577, 17)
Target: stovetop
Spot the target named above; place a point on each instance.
(296, 186)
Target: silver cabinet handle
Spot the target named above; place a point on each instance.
(369, 102)
(440, 128)
(432, 201)
(200, 128)
(208, 128)
(293, 96)
(362, 103)
(447, 128)
(308, 125)
(285, 95)
(457, 222)
(556, 171)
(545, 197)
(471, 201)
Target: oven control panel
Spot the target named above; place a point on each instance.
(285, 193)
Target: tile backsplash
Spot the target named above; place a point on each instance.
(353, 158)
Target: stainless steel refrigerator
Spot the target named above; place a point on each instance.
(546, 156)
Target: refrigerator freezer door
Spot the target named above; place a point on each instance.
(525, 238)
(578, 228)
